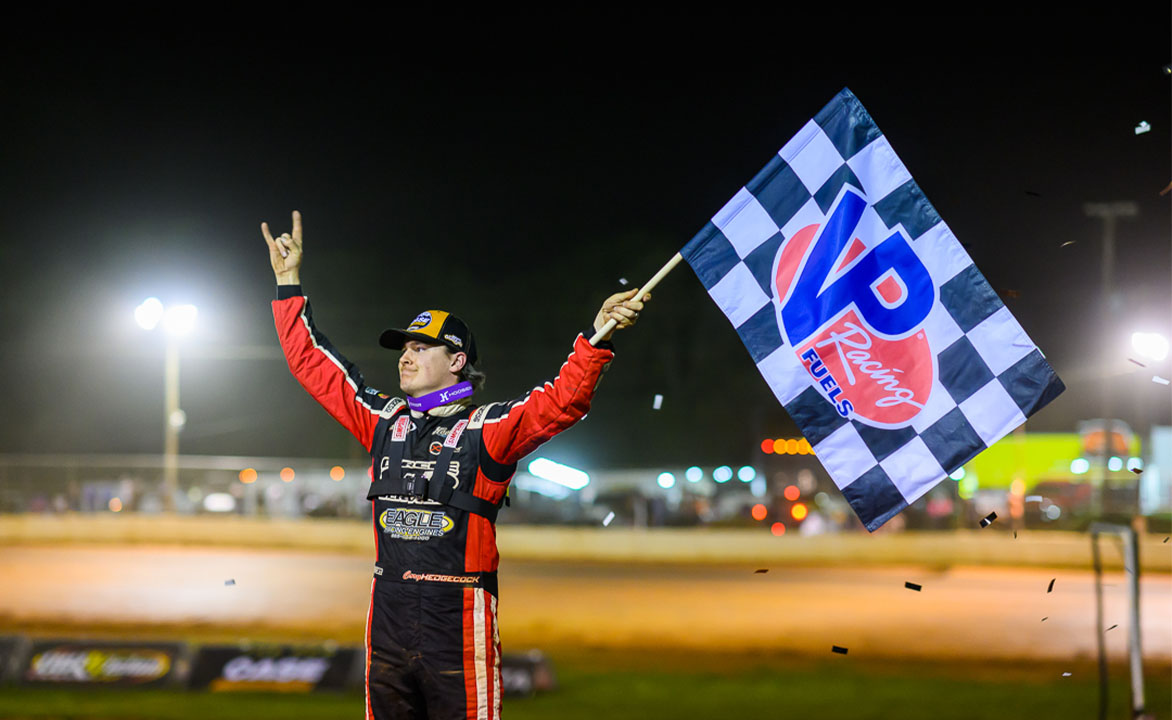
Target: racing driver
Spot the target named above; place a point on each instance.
(441, 466)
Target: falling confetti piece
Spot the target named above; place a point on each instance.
(1051, 584)
(988, 519)
(1068, 242)
(1045, 618)
(1138, 471)
(608, 518)
(1012, 293)
(837, 649)
(1014, 534)
(911, 586)
(761, 571)
(1137, 362)
(1066, 674)
(1143, 127)
(622, 281)
(1165, 539)
(1158, 379)
(1111, 628)
(229, 582)
(657, 403)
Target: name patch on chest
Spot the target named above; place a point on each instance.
(415, 523)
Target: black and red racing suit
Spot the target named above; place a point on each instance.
(432, 645)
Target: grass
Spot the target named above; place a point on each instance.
(645, 684)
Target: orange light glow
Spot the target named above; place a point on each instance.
(247, 475)
(804, 447)
(759, 512)
(792, 492)
(767, 446)
(791, 446)
(115, 505)
(778, 529)
(779, 447)
(337, 473)
(799, 511)
(287, 474)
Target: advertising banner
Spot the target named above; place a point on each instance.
(275, 668)
(77, 662)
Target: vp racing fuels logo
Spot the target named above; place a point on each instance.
(415, 523)
(853, 312)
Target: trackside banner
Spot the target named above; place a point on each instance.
(281, 668)
(868, 320)
(69, 662)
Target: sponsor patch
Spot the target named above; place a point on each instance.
(401, 426)
(454, 340)
(454, 436)
(421, 320)
(435, 448)
(415, 523)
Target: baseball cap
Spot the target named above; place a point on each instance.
(433, 326)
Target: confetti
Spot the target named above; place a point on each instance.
(657, 402)
(1143, 127)
(1111, 628)
(608, 518)
(229, 582)
(622, 281)
(1051, 584)
(1045, 618)
(1137, 362)
(1012, 293)
(837, 649)
(1065, 674)
(1068, 242)
(1165, 539)
(761, 571)
(1158, 379)
(1014, 534)
(1138, 471)
(911, 586)
(988, 519)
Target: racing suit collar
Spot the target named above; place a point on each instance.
(443, 410)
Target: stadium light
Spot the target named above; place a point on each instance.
(563, 475)
(746, 474)
(176, 320)
(666, 480)
(694, 474)
(1152, 346)
(722, 474)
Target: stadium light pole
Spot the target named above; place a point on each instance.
(177, 321)
(1109, 213)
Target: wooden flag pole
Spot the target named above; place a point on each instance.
(648, 287)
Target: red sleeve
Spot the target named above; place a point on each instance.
(331, 379)
(545, 411)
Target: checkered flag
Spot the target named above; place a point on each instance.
(865, 315)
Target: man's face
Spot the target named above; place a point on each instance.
(424, 368)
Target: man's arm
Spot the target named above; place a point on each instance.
(550, 408)
(331, 379)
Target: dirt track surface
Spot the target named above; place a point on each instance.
(961, 613)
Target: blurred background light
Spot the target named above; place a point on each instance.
(219, 502)
(666, 480)
(1115, 464)
(337, 473)
(287, 474)
(563, 475)
(1152, 346)
(247, 475)
(1078, 466)
(957, 474)
(179, 319)
(694, 474)
(722, 474)
(149, 313)
(799, 511)
(777, 528)
(791, 492)
(759, 512)
(746, 474)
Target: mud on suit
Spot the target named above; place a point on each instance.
(432, 646)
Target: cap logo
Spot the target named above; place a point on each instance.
(454, 340)
(421, 320)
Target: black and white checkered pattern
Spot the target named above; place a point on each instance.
(989, 375)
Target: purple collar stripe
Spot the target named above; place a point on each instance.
(440, 397)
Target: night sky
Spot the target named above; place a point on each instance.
(515, 193)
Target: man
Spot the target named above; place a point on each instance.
(440, 470)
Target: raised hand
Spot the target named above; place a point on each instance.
(285, 252)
